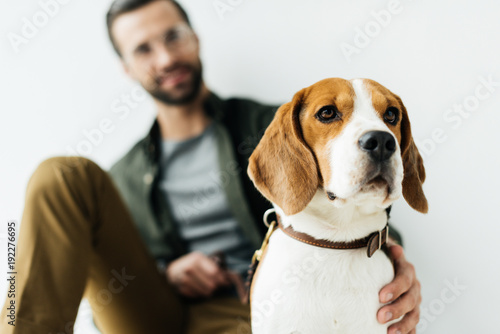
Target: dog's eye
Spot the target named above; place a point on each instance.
(328, 114)
(391, 115)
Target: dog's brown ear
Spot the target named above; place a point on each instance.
(282, 167)
(414, 171)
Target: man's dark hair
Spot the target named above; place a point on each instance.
(119, 7)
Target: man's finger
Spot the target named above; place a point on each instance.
(200, 280)
(213, 272)
(405, 277)
(407, 324)
(188, 292)
(405, 304)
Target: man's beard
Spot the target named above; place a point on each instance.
(190, 93)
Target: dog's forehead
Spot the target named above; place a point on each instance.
(335, 91)
(344, 93)
(371, 94)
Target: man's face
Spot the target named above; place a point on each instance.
(160, 51)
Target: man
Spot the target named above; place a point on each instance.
(186, 187)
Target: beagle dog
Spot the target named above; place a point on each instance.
(331, 162)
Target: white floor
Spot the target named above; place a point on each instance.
(84, 323)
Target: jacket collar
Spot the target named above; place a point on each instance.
(213, 106)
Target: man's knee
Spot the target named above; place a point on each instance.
(54, 172)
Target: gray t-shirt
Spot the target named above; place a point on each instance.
(198, 202)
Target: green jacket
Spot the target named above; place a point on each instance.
(240, 124)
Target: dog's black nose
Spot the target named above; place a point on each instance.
(380, 145)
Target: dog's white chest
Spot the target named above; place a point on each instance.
(306, 289)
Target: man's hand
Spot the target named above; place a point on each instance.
(403, 293)
(196, 275)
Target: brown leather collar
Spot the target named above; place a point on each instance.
(373, 242)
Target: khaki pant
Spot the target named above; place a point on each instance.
(77, 239)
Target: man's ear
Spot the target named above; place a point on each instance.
(282, 167)
(196, 39)
(414, 171)
(126, 68)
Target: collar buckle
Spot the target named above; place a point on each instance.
(380, 243)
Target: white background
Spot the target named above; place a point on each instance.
(66, 80)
